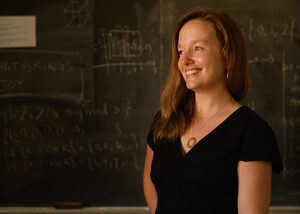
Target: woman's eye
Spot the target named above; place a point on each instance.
(198, 48)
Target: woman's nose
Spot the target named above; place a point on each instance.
(186, 59)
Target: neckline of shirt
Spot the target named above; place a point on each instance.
(178, 141)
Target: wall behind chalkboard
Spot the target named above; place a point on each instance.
(75, 110)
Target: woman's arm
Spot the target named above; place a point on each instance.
(149, 189)
(254, 194)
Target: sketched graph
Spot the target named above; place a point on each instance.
(123, 42)
(77, 13)
(122, 47)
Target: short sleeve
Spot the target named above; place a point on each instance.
(150, 136)
(150, 140)
(259, 143)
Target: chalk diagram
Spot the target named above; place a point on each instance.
(77, 13)
(122, 47)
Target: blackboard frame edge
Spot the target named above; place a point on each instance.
(118, 210)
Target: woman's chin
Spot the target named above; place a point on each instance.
(192, 87)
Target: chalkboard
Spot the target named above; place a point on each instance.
(75, 110)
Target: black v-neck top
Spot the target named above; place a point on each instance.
(205, 179)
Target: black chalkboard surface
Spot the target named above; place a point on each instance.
(75, 110)
(73, 129)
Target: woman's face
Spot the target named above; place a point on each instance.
(200, 60)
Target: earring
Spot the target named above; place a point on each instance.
(226, 74)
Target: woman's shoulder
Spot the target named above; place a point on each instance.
(254, 126)
(250, 116)
(258, 140)
(246, 120)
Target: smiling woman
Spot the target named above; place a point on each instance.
(206, 152)
(200, 61)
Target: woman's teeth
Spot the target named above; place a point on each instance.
(189, 72)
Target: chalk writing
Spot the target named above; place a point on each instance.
(294, 100)
(123, 109)
(25, 112)
(36, 65)
(33, 73)
(290, 103)
(16, 136)
(37, 136)
(82, 113)
(14, 113)
(11, 85)
(261, 31)
(269, 59)
(95, 154)
(92, 147)
(127, 107)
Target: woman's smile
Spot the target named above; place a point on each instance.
(192, 71)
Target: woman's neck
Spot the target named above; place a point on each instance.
(208, 103)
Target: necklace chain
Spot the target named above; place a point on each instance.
(193, 140)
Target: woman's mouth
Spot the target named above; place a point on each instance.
(193, 71)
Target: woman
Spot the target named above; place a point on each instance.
(206, 152)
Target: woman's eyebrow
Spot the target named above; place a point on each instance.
(193, 42)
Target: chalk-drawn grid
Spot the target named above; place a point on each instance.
(77, 13)
(122, 47)
(124, 43)
(37, 75)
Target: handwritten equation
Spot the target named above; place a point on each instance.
(257, 30)
(93, 154)
(32, 132)
(37, 113)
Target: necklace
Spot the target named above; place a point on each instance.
(192, 141)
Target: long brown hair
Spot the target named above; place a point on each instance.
(177, 102)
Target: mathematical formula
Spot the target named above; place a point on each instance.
(37, 113)
(271, 31)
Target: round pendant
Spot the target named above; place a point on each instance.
(191, 142)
